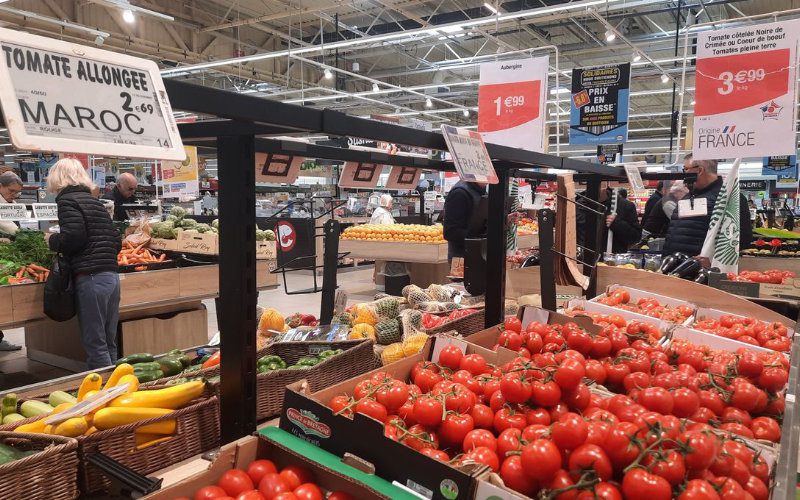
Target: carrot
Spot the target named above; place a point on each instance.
(162, 257)
(37, 268)
(124, 260)
(19, 273)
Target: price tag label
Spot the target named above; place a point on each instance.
(470, 157)
(13, 211)
(635, 176)
(45, 211)
(507, 105)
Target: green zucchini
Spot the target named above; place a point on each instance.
(148, 375)
(57, 397)
(32, 408)
(9, 404)
(170, 366)
(132, 359)
(145, 366)
(11, 418)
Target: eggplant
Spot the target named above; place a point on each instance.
(702, 277)
(687, 269)
(670, 262)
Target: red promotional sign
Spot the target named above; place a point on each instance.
(506, 105)
(287, 235)
(731, 83)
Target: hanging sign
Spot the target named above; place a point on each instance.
(60, 96)
(277, 168)
(752, 185)
(180, 178)
(470, 157)
(511, 103)
(635, 177)
(13, 211)
(784, 168)
(599, 109)
(745, 91)
(360, 175)
(609, 153)
(404, 178)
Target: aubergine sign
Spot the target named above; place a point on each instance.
(60, 96)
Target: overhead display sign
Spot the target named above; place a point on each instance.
(60, 96)
(360, 175)
(609, 153)
(752, 185)
(404, 178)
(470, 157)
(784, 168)
(600, 101)
(746, 92)
(277, 168)
(511, 103)
(180, 178)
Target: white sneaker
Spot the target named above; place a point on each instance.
(6, 346)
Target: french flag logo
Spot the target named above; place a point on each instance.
(729, 130)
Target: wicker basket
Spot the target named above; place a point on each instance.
(197, 432)
(465, 326)
(50, 474)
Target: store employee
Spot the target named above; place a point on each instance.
(122, 194)
(687, 234)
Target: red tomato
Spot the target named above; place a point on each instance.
(259, 468)
(507, 418)
(286, 495)
(685, 402)
(209, 493)
(437, 454)
(601, 491)
(393, 396)
(479, 437)
(702, 450)
(419, 438)
(482, 416)
(295, 475)
(508, 441)
(545, 394)
(484, 456)
(569, 374)
(251, 495)
(308, 491)
(428, 411)
(474, 363)
(451, 357)
(541, 459)
(766, 428)
(454, 428)
(513, 323)
(657, 399)
(235, 481)
(515, 387)
(590, 457)
(757, 488)
(619, 444)
(671, 467)
(340, 495)
(514, 476)
(699, 489)
(638, 483)
(570, 431)
(272, 484)
(372, 409)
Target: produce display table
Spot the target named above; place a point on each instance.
(427, 262)
(528, 241)
(159, 311)
(527, 281)
(749, 263)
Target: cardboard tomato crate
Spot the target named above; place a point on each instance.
(329, 472)
(708, 313)
(790, 289)
(598, 308)
(637, 294)
(714, 341)
(307, 416)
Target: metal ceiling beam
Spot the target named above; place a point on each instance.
(268, 17)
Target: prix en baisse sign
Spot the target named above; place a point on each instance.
(64, 97)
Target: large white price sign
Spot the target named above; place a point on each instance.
(511, 103)
(59, 96)
(746, 100)
(470, 157)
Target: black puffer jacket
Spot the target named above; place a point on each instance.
(87, 237)
(688, 234)
(459, 207)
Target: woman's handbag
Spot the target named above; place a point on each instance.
(59, 294)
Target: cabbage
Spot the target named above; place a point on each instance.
(261, 235)
(178, 212)
(203, 228)
(270, 235)
(171, 218)
(188, 223)
(215, 223)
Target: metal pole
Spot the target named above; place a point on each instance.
(594, 233)
(674, 86)
(330, 259)
(547, 220)
(237, 285)
(496, 250)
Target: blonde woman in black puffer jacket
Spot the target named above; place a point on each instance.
(89, 242)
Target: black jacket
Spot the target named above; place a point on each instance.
(627, 230)
(459, 207)
(119, 200)
(688, 234)
(87, 238)
(656, 222)
(648, 207)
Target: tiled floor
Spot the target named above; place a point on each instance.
(17, 370)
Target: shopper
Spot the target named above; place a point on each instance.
(459, 207)
(686, 232)
(383, 214)
(123, 193)
(658, 220)
(624, 223)
(660, 191)
(10, 189)
(89, 243)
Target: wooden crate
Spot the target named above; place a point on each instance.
(160, 244)
(266, 250)
(164, 332)
(527, 281)
(200, 243)
(264, 278)
(27, 302)
(198, 281)
(431, 253)
(148, 286)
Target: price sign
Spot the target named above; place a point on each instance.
(599, 111)
(470, 157)
(745, 91)
(45, 211)
(13, 211)
(635, 177)
(60, 96)
(360, 175)
(403, 178)
(511, 103)
(277, 168)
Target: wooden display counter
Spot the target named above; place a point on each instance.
(426, 262)
(700, 295)
(527, 281)
(525, 241)
(159, 311)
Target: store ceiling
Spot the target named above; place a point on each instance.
(426, 62)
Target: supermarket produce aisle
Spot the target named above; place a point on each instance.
(17, 370)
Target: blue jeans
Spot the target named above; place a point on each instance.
(97, 300)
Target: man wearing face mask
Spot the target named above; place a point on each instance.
(123, 193)
(660, 214)
(687, 231)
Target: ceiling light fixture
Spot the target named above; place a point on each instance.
(127, 16)
(664, 78)
(375, 87)
(126, 5)
(452, 29)
(328, 74)
(466, 113)
(559, 90)
(692, 103)
(428, 103)
(637, 56)
(610, 36)
(491, 7)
